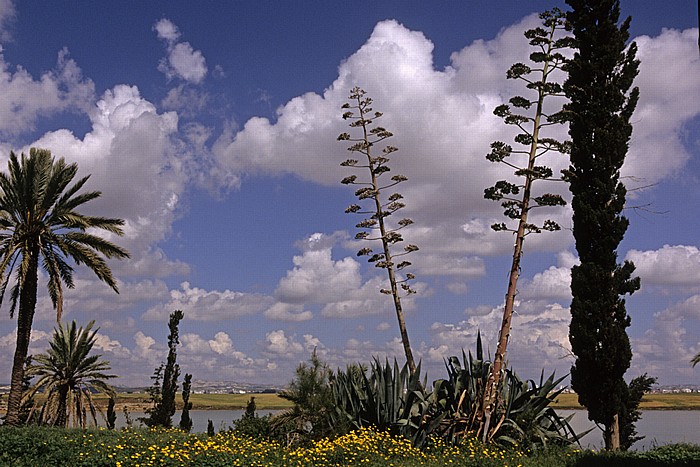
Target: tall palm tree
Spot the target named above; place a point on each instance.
(695, 360)
(69, 377)
(39, 225)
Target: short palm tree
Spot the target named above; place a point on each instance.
(69, 376)
(39, 225)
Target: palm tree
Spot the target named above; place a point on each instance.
(69, 377)
(695, 360)
(39, 225)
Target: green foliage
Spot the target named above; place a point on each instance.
(163, 394)
(33, 446)
(257, 427)
(185, 420)
(631, 414)
(310, 391)
(373, 192)
(674, 454)
(250, 407)
(599, 82)
(389, 399)
(40, 227)
(69, 376)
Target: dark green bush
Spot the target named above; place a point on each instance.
(254, 427)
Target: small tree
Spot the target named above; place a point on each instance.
(69, 376)
(376, 227)
(185, 420)
(312, 396)
(163, 395)
(517, 198)
(250, 408)
(602, 100)
(637, 388)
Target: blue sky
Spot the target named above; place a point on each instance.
(211, 129)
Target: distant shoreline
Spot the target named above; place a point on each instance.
(140, 402)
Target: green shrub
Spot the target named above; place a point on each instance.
(674, 454)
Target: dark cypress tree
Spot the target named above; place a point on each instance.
(163, 396)
(185, 419)
(601, 74)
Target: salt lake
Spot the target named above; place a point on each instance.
(658, 426)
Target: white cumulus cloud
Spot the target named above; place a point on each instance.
(182, 61)
(205, 305)
(670, 265)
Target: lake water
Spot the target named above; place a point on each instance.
(222, 419)
(659, 426)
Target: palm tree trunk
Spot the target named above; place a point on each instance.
(25, 317)
(62, 411)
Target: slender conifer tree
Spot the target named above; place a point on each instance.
(599, 87)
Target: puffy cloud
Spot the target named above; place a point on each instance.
(129, 140)
(111, 346)
(669, 98)
(552, 284)
(202, 305)
(182, 61)
(26, 99)
(447, 170)
(665, 349)
(280, 345)
(537, 340)
(316, 278)
(221, 343)
(288, 312)
(92, 297)
(677, 265)
(145, 346)
(335, 285)
(167, 30)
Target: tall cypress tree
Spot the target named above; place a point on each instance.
(601, 74)
(163, 395)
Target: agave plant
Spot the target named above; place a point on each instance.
(529, 421)
(390, 398)
(525, 418)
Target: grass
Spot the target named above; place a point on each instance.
(135, 401)
(682, 401)
(32, 446)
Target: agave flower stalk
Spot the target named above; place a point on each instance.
(375, 227)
